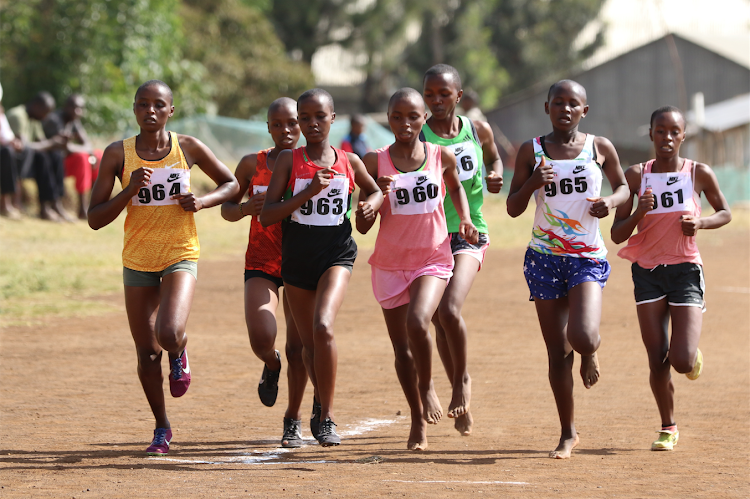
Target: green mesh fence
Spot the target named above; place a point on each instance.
(232, 138)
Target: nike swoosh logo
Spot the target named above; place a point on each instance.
(187, 365)
(579, 169)
(421, 180)
(173, 164)
(672, 180)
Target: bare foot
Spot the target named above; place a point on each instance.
(417, 433)
(432, 411)
(47, 213)
(461, 396)
(589, 370)
(464, 423)
(564, 448)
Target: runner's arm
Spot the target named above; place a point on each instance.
(103, 210)
(491, 157)
(602, 206)
(196, 153)
(526, 179)
(708, 184)
(366, 213)
(234, 209)
(625, 221)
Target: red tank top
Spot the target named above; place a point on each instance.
(304, 168)
(264, 244)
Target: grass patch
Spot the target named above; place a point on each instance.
(52, 270)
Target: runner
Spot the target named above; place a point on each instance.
(311, 190)
(565, 265)
(473, 144)
(263, 271)
(160, 254)
(412, 260)
(667, 267)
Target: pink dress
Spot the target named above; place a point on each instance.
(413, 238)
(660, 240)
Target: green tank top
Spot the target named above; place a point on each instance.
(469, 155)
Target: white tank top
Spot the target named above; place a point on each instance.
(562, 223)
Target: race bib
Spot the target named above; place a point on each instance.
(326, 208)
(672, 191)
(576, 184)
(466, 158)
(414, 193)
(256, 190)
(164, 183)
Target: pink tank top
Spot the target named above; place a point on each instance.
(660, 240)
(412, 219)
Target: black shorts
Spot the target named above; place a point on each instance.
(307, 252)
(249, 274)
(681, 284)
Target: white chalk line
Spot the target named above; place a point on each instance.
(274, 456)
(467, 482)
(734, 289)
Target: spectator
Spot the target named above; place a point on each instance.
(40, 154)
(470, 106)
(10, 146)
(356, 141)
(81, 159)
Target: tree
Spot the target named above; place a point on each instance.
(502, 46)
(101, 49)
(245, 58)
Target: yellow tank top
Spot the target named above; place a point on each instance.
(158, 235)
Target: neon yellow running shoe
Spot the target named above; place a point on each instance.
(666, 441)
(697, 367)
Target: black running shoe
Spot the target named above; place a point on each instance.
(327, 435)
(292, 433)
(315, 418)
(268, 388)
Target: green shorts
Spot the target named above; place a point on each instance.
(137, 278)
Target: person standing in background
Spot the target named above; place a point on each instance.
(81, 159)
(356, 141)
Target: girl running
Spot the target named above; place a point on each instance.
(263, 271)
(311, 188)
(160, 254)
(473, 144)
(565, 265)
(667, 267)
(412, 260)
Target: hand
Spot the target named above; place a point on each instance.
(645, 203)
(385, 183)
(254, 205)
(139, 178)
(17, 144)
(189, 202)
(600, 207)
(494, 182)
(60, 140)
(467, 230)
(543, 175)
(365, 211)
(321, 180)
(690, 225)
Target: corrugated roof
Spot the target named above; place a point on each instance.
(722, 26)
(726, 115)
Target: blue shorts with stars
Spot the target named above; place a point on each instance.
(551, 276)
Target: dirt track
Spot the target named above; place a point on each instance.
(74, 421)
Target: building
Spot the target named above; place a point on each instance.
(625, 90)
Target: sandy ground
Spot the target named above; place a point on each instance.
(74, 421)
